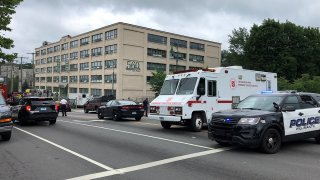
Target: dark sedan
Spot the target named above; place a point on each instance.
(118, 109)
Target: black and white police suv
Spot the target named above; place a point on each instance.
(267, 120)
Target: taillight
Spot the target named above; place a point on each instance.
(28, 108)
(124, 107)
(57, 108)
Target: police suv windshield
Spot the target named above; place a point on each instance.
(264, 103)
(169, 87)
(186, 86)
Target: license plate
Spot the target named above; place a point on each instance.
(134, 112)
(43, 108)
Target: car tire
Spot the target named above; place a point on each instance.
(85, 110)
(138, 118)
(166, 124)
(317, 139)
(6, 136)
(271, 141)
(96, 109)
(51, 122)
(222, 143)
(196, 122)
(100, 115)
(115, 116)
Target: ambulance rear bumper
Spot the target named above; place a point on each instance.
(165, 118)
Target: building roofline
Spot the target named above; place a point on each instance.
(132, 25)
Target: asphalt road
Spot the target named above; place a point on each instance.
(80, 146)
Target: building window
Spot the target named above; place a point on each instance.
(56, 48)
(177, 55)
(56, 69)
(63, 68)
(49, 60)
(50, 50)
(196, 68)
(196, 46)
(84, 90)
(73, 55)
(64, 79)
(43, 52)
(96, 51)
(73, 67)
(96, 37)
(84, 78)
(84, 41)
(173, 68)
(49, 79)
(84, 66)
(148, 79)
(96, 65)
(84, 54)
(111, 49)
(49, 69)
(37, 61)
(43, 61)
(156, 66)
(178, 43)
(64, 46)
(157, 39)
(37, 79)
(42, 79)
(110, 64)
(96, 78)
(73, 90)
(73, 79)
(108, 78)
(108, 92)
(111, 34)
(56, 79)
(37, 53)
(96, 92)
(196, 58)
(74, 44)
(56, 58)
(64, 57)
(157, 53)
(43, 70)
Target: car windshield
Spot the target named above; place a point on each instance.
(186, 86)
(127, 103)
(42, 101)
(260, 102)
(169, 87)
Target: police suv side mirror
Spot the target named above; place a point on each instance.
(288, 108)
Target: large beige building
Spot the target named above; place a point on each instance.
(87, 63)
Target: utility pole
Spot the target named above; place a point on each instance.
(33, 74)
(21, 72)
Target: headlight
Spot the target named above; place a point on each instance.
(249, 121)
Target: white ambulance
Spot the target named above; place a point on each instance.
(190, 97)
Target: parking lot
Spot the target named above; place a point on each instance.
(81, 146)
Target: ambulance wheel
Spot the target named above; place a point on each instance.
(166, 124)
(271, 141)
(318, 139)
(196, 122)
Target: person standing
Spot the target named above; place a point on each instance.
(145, 106)
(63, 106)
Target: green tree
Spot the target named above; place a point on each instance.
(157, 81)
(7, 9)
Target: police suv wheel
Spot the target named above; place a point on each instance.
(196, 122)
(166, 124)
(271, 141)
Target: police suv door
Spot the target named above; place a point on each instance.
(303, 119)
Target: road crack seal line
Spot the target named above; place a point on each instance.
(69, 151)
(138, 134)
(150, 164)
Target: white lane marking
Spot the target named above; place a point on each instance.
(153, 124)
(68, 150)
(87, 121)
(148, 165)
(138, 134)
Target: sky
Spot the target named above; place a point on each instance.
(36, 21)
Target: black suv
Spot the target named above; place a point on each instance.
(5, 120)
(267, 120)
(36, 109)
(95, 103)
